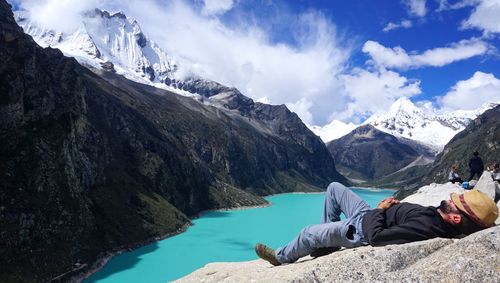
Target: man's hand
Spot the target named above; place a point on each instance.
(388, 202)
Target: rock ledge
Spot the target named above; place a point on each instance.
(475, 258)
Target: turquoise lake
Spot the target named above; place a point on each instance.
(222, 236)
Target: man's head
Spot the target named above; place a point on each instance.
(469, 212)
(475, 153)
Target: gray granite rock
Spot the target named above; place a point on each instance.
(475, 258)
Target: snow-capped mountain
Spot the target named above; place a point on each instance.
(112, 42)
(336, 129)
(405, 119)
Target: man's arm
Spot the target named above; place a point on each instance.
(387, 202)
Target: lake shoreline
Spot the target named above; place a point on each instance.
(83, 273)
(104, 259)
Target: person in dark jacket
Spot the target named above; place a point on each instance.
(390, 223)
(476, 166)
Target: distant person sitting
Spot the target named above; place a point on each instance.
(495, 174)
(453, 176)
(390, 223)
(476, 166)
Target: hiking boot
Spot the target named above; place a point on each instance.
(267, 253)
(324, 251)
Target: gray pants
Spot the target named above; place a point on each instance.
(332, 232)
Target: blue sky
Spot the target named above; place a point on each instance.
(326, 60)
(364, 20)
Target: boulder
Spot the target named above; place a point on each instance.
(486, 184)
(433, 194)
(472, 259)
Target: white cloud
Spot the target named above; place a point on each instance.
(243, 56)
(336, 129)
(62, 15)
(416, 7)
(403, 24)
(384, 56)
(485, 17)
(397, 57)
(446, 5)
(472, 93)
(217, 7)
(264, 100)
(374, 92)
(303, 108)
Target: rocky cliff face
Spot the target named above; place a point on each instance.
(367, 153)
(91, 164)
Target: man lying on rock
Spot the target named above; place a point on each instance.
(390, 223)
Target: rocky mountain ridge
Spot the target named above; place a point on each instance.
(116, 43)
(113, 42)
(367, 153)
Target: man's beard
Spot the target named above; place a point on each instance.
(444, 207)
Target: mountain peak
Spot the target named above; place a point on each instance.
(104, 14)
(405, 119)
(105, 38)
(403, 105)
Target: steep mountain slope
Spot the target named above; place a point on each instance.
(93, 164)
(367, 153)
(483, 135)
(116, 43)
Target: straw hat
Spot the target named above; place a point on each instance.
(478, 206)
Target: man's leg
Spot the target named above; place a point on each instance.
(338, 199)
(332, 232)
(312, 238)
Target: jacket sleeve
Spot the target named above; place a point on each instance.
(412, 230)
